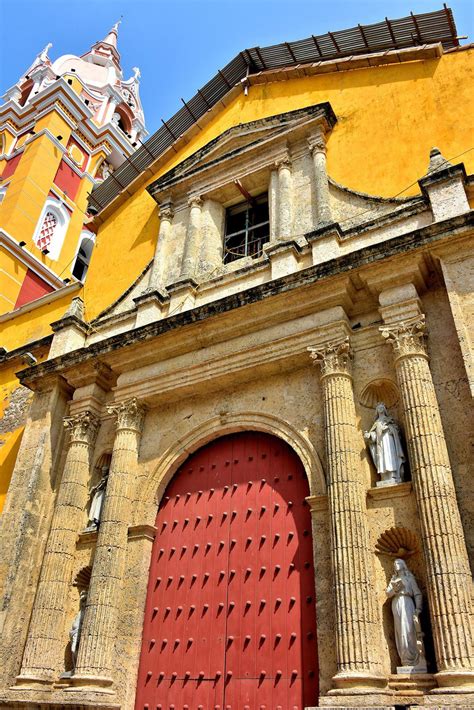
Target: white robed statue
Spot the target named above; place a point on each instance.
(385, 447)
(407, 602)
(98, 495)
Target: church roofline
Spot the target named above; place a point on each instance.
(413, 31)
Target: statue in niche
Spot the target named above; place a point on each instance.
(385, 447)
(98, 493)
(407, 602)
(75, 631)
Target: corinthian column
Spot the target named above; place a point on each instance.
(447, 566)
(157, 270)
(44, 648)
(192, 244)
(317, 146)
(357, 622)
(95, 660)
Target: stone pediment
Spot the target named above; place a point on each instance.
(245, 139)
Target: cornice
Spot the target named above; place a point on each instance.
(337, 269)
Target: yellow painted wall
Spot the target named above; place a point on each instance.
(388, 119)
(33, 325)
(12, 273)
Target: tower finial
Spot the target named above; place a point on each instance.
(113, 34)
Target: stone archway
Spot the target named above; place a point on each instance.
(230, 611)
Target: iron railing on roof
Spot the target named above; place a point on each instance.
(411, 31)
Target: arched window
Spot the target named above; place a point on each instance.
(25, 89)
(84, 253)
(51, 228)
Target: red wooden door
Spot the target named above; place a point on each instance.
(230, 613)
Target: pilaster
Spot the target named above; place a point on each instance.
(26, 518)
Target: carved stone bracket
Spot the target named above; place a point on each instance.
(130, 414)
(407, 338)
(334, 357)
(83, 427)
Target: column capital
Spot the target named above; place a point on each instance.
(284, 162)
(317, 143)
(195, 201)
(130, 414)
(166, 211)
(407, 337)
(83, 427)
(334, 357)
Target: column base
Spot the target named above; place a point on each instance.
(95, 683)
(33, 682)
(358, 682)
(454, 682)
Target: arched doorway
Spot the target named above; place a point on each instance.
(230, 613)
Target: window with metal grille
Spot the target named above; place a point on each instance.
(46, 232)
(247, 229)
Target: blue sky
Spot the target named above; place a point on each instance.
(180, 44)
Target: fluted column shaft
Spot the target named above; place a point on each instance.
(356, 614)
(157, 269)
(447, 565)
(95, 659)
(284, 200)
(317, 145)
(44, 650)
(192, 243)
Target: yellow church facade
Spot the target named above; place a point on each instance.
(284, 273)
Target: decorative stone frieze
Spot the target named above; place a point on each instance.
(44, 648)
(447, 566)
(357, 619)
(96, 654)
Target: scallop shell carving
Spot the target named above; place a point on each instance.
(397, 542)
(83, 578)
(379, 391)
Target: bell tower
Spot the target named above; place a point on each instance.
(65, 126)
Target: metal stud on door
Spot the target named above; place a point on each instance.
(230, 613)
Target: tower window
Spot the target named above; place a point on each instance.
(83, 257)
(247, 229)
(46, 232)
(51, 228)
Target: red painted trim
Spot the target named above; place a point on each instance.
(67, 180)
(11, 166)
(33, 287)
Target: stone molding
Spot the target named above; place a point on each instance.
(407, 338)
